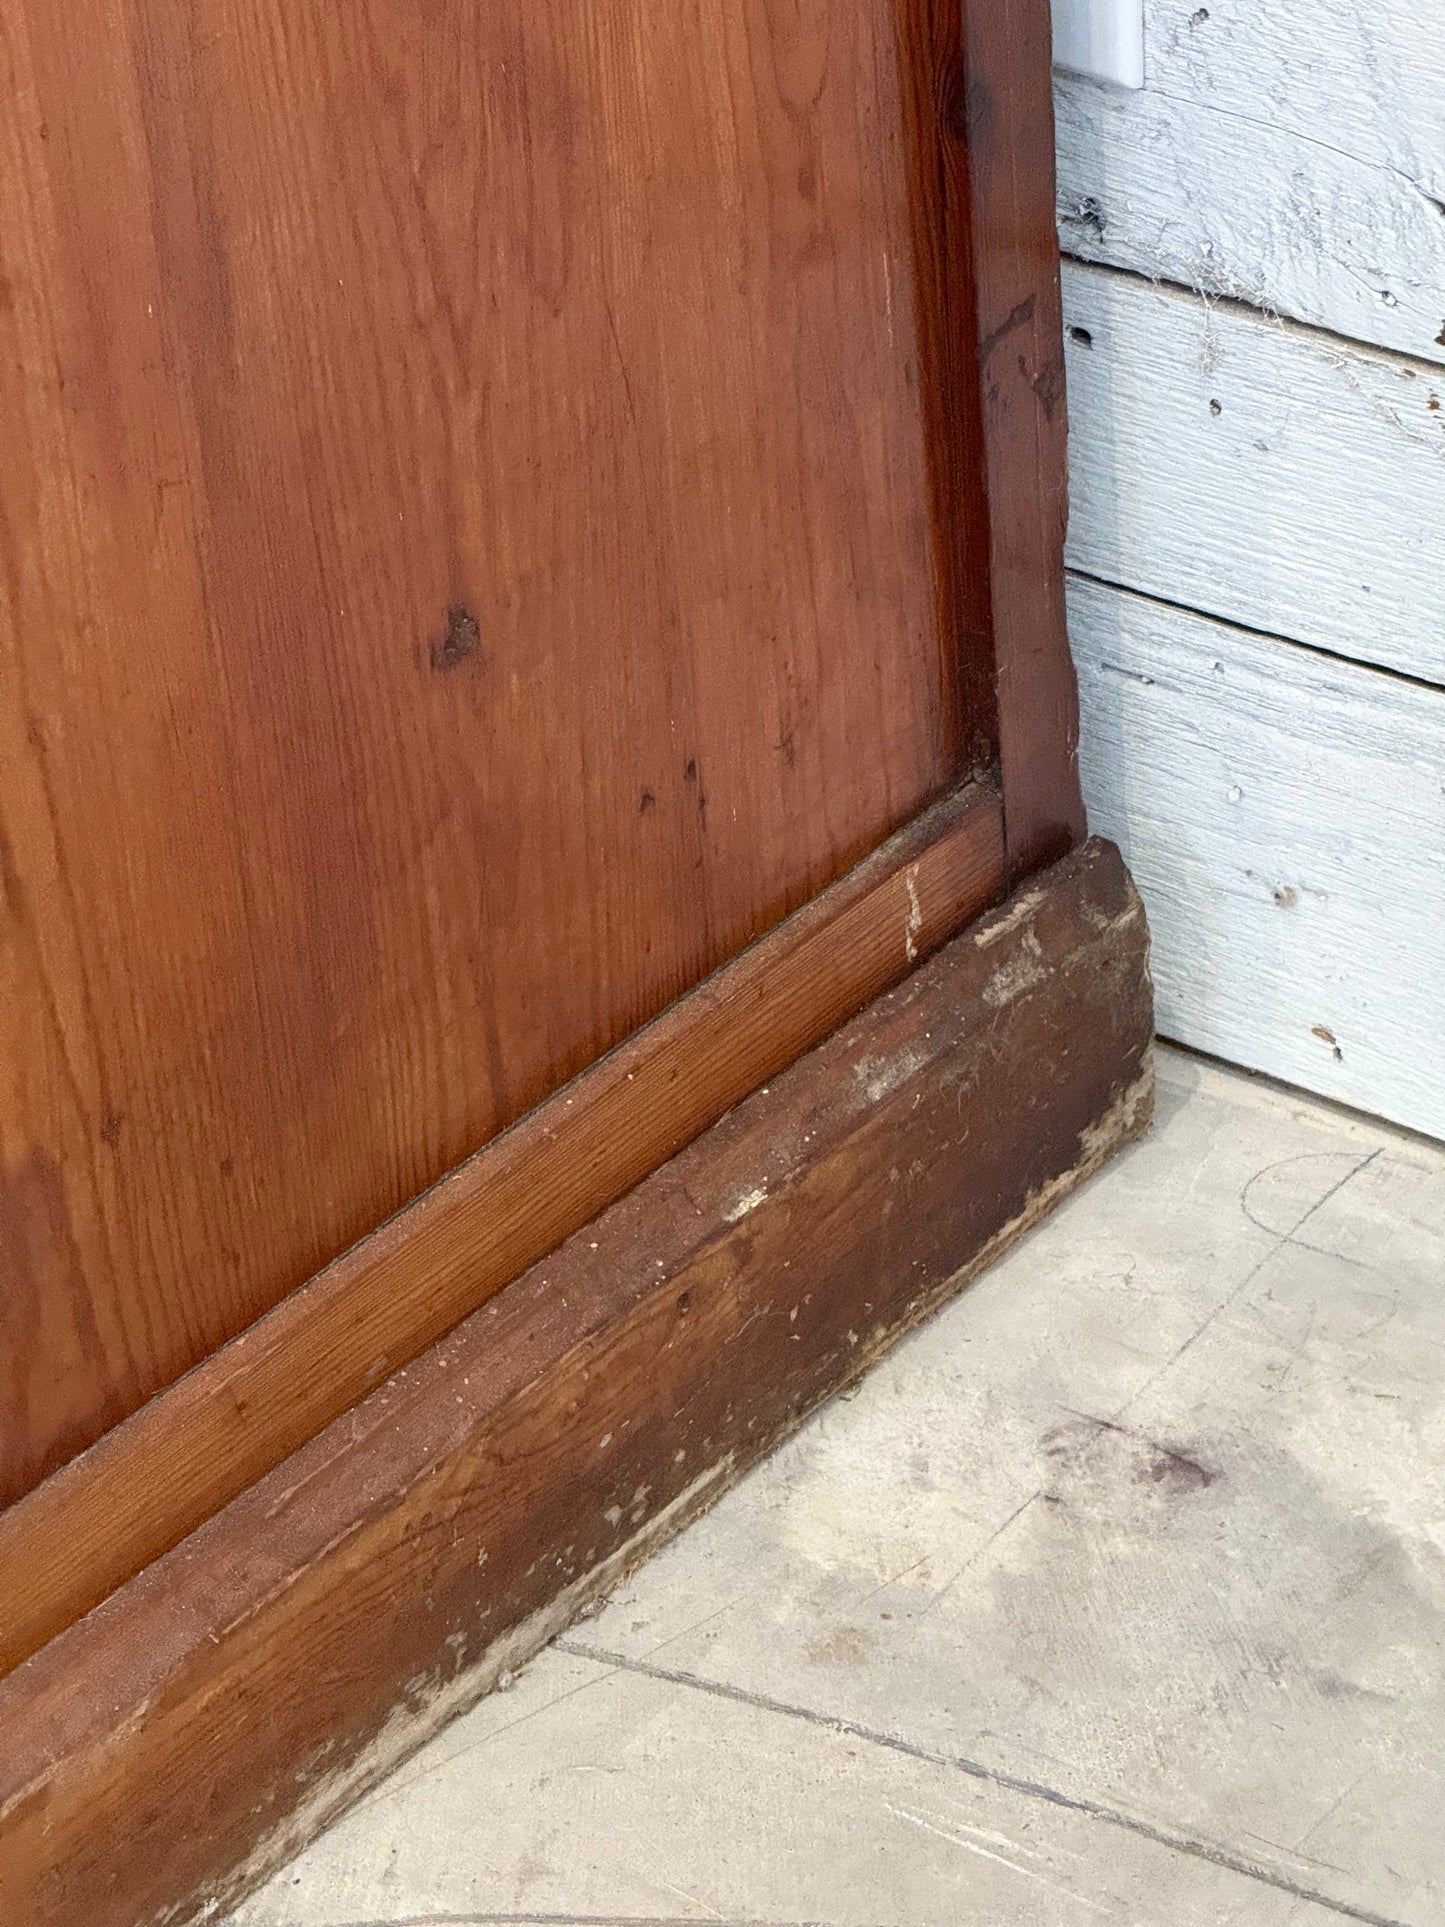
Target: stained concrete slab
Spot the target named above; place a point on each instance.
(1116, 1593)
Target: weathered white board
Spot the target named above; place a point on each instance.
(1259, 471)
(1283, 812)
(1288, 153)
(1284, 817)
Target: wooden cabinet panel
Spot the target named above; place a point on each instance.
(468, 569)
(504, 503)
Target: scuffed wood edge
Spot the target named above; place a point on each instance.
(436, 1702)
(343, 1598)
(408, 1730)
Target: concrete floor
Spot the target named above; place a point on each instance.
(1115, 1594)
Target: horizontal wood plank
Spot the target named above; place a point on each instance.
(1284, 816)
(1292, 156)
(1268, 474)
(153, 1479)
(164, 1755)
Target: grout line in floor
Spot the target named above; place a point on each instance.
(1178, 1842)
(574, 1920)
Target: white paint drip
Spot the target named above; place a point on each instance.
(748, 1201)
(1019, 911)
(913, 924)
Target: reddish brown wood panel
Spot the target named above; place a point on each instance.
(168, 1751)
(466, 570)
(935, 114)
(1003, 111)
(193, 1447)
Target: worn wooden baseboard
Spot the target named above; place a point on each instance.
(163, 1755)
(145, 1485)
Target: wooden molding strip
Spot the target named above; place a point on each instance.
(164, 1755)
(935, 116)
(194, 1447)
(979, 116)
(1006, 117)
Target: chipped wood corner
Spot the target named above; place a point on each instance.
(389, 1573)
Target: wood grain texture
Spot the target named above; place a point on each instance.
(1256, 471)
(189, 1450)
(1291, 156)
(161, 1757)
(1285, 818)
(467, 571)
(1004, 112)
(931, 62)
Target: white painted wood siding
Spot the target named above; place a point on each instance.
(1257, 401)
(1284, 818)
(1257, 471)
(1290, 153)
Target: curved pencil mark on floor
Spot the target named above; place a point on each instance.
(1281, 1164)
